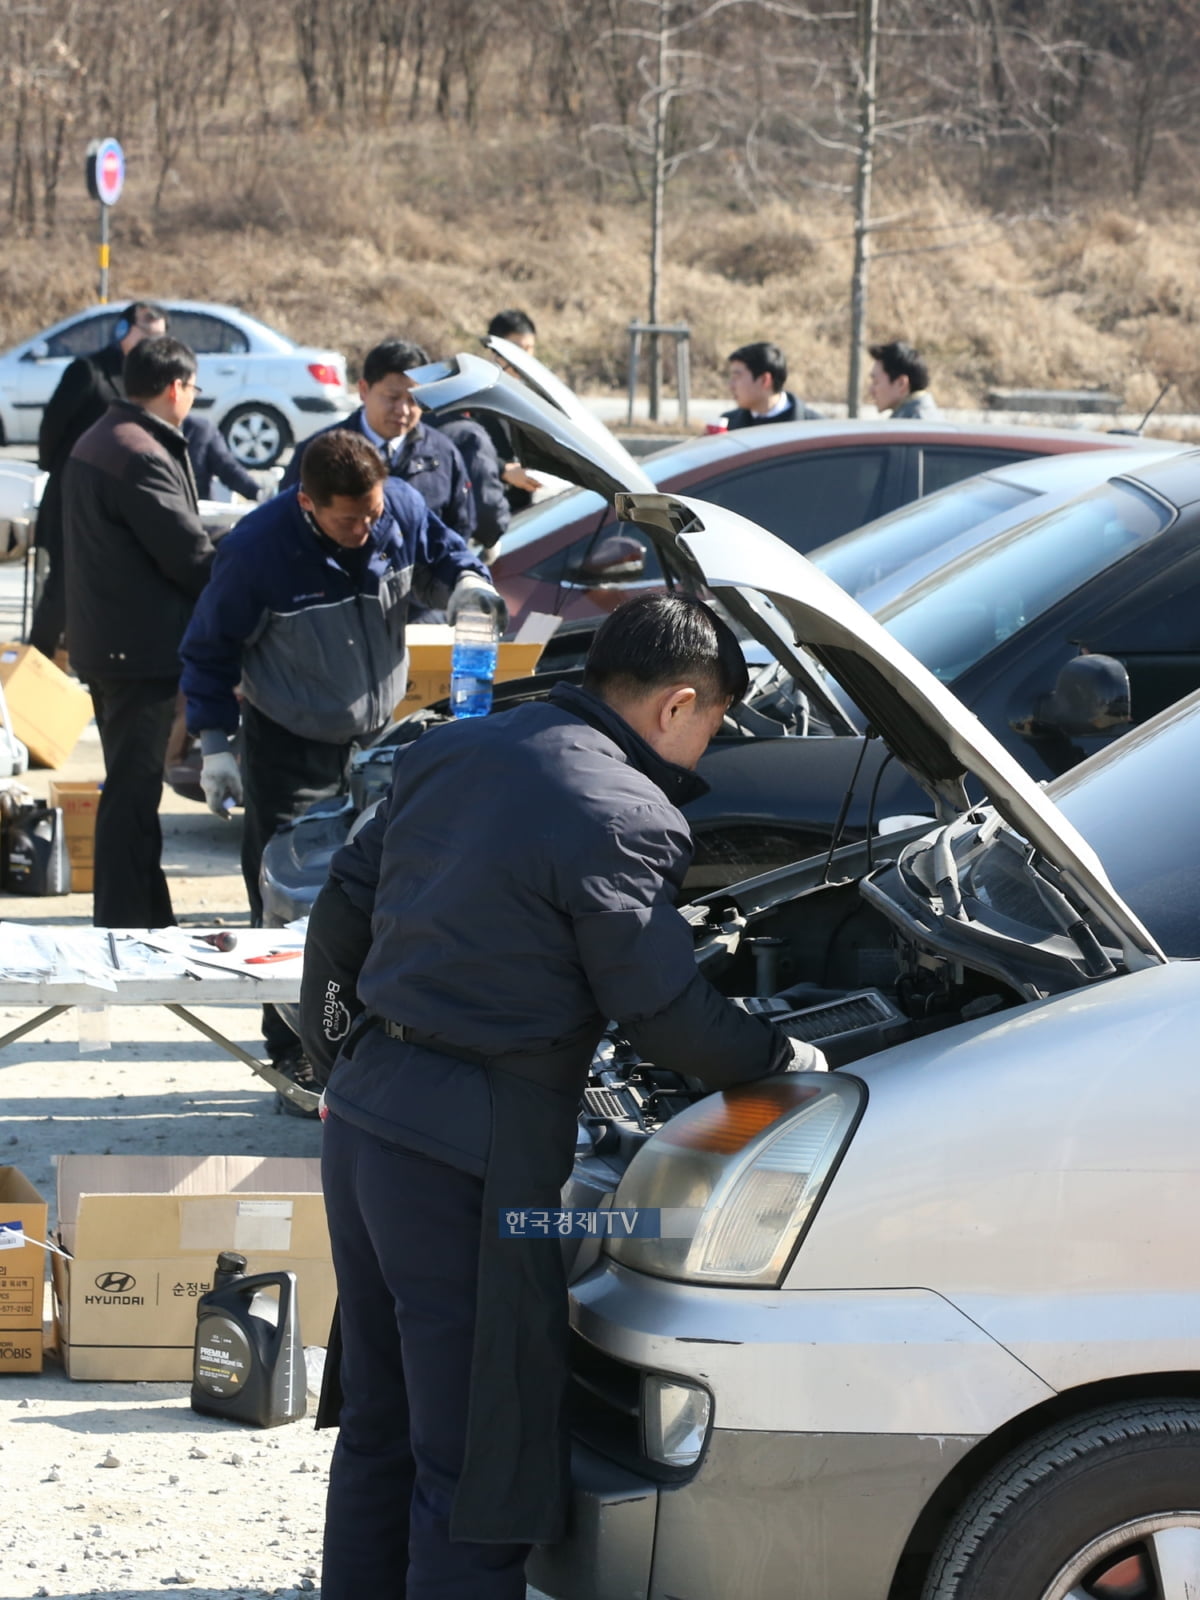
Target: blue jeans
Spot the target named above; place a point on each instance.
(405, 1233)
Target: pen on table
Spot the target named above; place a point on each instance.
(112, 950)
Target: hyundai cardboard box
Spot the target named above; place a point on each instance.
(23, 1215)
(429, 647)
(79, 803)
(143, 1234)
(49, 710)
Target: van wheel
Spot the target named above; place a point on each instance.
(1106, 1507)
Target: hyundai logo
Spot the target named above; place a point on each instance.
(115, 1282)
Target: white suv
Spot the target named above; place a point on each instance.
(263, 391)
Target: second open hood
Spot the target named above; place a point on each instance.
(785, 602)
(929, 729)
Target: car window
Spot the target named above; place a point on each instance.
(549, 516)
(958, 615)
(942, 467)
(617, 554)
(1161, 617)
(808, 498)
(1131, 805)
(207, 335)
(87, 337)
(865, 557)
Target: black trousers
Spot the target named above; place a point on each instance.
(50, 613)
(405, 1234)
(282, 773)
(134, 716)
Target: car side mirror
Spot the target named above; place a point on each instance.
(1091, 696)
(618, 559)
(37, 352)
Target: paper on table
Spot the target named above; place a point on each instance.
(25, 955)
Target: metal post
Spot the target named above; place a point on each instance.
(635, 351)
(869, 39)
(683, 374)
(103, 255)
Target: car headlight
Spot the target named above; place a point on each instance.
(737, 1177)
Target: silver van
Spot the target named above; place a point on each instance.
(925, 1325)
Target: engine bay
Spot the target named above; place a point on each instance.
(853, 966)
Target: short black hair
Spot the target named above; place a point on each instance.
(153, 314)
(660, 639)
(155, 364)
(392, 355)
(340, 463)
(900, 360)
(505, 323)
(763, 357)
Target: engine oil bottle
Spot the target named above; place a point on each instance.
(249, 1363)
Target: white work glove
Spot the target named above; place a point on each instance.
(471, 587)
(221, 781)
(806, 1058)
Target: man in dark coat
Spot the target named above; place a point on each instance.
(758, 382)
(212, 458)
(85, 391)
(391, 419)
(515, 484)
(492, 513)
(517, 890)
(305, 617)
(137, 557)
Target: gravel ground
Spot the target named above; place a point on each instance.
(120, 1488)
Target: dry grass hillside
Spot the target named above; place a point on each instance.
(338, 242)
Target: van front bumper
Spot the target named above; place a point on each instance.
(810, 1516)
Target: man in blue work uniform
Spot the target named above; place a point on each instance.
(516, 890)
(391, 419)
(305, 617)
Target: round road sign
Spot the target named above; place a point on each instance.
(106, 170)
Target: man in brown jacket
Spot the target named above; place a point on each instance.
(137, 557)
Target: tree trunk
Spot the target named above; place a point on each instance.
(657, 198)
(868, 42)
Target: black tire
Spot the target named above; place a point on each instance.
(1045, 1510)
(257, 435)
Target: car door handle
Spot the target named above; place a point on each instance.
(227, 372)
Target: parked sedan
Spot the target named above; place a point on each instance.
(808, 482)
(923, 1326)
(261, 389)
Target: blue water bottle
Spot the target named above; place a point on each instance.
(473, 663)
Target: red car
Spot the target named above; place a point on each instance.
(808, 482)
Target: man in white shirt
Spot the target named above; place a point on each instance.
(758, 382)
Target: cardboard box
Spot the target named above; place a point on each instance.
(143, 1233)
(429, 648)
(49, 710)
(22, 1273)
(79, 803)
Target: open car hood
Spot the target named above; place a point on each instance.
(930, 731)
(554, 430)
